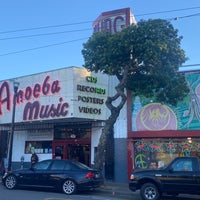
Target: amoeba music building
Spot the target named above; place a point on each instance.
(60, 114)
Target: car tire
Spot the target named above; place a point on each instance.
(69, 187)
(10, 182)
(149, 191)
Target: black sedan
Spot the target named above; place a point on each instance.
(65, 175)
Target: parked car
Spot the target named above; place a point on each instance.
(65, 175)
(181, 176)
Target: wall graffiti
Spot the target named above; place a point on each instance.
(194, 106)
(147, 114)
(156, 116)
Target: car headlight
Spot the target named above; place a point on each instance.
(132, 177)
(5, 174)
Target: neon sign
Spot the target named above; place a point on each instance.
(29, 96)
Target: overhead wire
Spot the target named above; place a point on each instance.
(79, 30)
(194, 65)
(44, 27)
(167, 11)
(41, 47)
(44, 34)
(84, 22)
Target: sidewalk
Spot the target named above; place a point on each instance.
(115, 188)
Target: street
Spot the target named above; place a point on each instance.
(19, 194)
(31, 194)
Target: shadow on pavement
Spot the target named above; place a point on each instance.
(181, 197)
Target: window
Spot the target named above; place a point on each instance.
(58, 165)
(72, 132)
(38, 147)
(182, 165)
(42, 165)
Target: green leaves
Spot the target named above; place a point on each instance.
(151, 50)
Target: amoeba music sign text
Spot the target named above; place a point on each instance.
(49, 96)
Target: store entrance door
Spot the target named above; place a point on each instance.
(71, 150)
(78, 152)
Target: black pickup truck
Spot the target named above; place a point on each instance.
(181, 176)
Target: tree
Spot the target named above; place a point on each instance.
(145, 58)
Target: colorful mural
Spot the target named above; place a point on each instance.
(154, 153)
(193, 113)
(154, 116)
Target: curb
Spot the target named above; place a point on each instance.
(115, 188)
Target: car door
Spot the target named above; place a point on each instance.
(35, 176)
(25, 177)
(40, 174)
(180, 177)
(57, 172)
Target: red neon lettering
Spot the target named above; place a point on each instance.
(46, 88)
(33, 111)
(5, 97)
(28, 93)
(36, 90)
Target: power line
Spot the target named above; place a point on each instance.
(70, 24)
(41, 47)
(79, 30)
(186, 16)
(167, 11)
(44, 27)
(85, 22)
(43, 34)
(194, 65)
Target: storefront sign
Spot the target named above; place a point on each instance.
(55, 95)
(91, 90)
(34, 109)
(113, 21)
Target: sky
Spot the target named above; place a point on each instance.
(43, 35)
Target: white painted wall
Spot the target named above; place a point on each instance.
(120, 128)
(19, 139)
(96, 133)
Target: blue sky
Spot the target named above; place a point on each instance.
(26, 47)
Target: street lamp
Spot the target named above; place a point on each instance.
(15, 87)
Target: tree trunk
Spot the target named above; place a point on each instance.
(104, 158)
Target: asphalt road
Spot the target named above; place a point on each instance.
(30, 194)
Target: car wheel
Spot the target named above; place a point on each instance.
(10, 182)
(149, 192)
(69, 187)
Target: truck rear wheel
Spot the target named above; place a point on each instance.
(149, 192)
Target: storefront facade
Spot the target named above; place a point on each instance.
(59, 114)
(157, 132)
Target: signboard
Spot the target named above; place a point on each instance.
(65, 93)
(114, 21)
